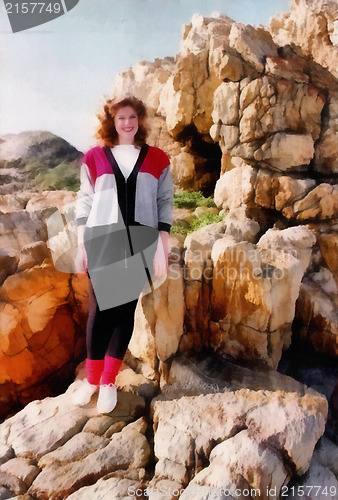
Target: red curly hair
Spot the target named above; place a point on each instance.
(107, 131)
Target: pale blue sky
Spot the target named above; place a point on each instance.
(53, 77)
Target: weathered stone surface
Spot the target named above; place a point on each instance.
(13, 484)
(326, 453)
(33, 255)
(310, 26)
(25, 470)
(127, 448)
(293, 427)
(139, 80)
(287, 151)
(8, 264)
(235, 188)
(43, 426)
(328, 244)
(253, 299)
(226, 104)
(254, 44)
(78, 447)
(114, 487)
(318, 481)
(229, 469)
(150, 341)
(11, 202)
(19, 229)
(316, 310)
(320, 203)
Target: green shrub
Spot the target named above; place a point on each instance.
(63, 176)
(192, 199)
(203, 220)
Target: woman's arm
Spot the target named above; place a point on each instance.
(165, 198)
(83, 207)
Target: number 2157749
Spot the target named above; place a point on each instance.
(32, 8)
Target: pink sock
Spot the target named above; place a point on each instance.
(111, 369)
(94, 369)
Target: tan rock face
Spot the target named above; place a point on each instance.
(36, 325)
(316, 310)
(310, 26)
(42, 311)
(193, 424)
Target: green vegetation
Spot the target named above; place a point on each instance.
(197, 223)
(192, 199)
(63, 176)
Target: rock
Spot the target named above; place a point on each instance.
(280, 67)
(23, 469)
(297, 241)
(326, 454)
(48, 199)
(139, 80)
(127, 380)
(13, 484)
(318, 481)
(19, 229)
(150, 341)
(254, 44)
(11, 203)
(291, 190)
(229, 469)
(33, 255)
(125, 449)
(43, 426)
(5, 494)
(36, 320)
(252, 300)
(235, 188)
(320, 203)
(183, 169)
(326, 156)
(226, 104)
(197, 275)
(164, 489)
(328, 244)
(115, 487)
(205, 210)
(6, 453)
(288, 151)
(78, 447)
(316, 311)
(8, 264)
(309, 26)
(293, 427)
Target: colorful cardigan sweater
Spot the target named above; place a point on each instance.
(146, 197)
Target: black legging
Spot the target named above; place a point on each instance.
(109, 331)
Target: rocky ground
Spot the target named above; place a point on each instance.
(235, 428)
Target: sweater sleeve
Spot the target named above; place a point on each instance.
(165, 200)
(84, 196)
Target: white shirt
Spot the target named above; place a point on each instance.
(126, 156)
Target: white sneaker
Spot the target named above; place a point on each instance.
(107, 399)
(84, 393)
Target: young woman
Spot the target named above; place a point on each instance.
(124, 215)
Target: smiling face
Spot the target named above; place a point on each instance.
(126, 124)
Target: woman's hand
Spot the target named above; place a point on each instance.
(160, 261)
(81, 257)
